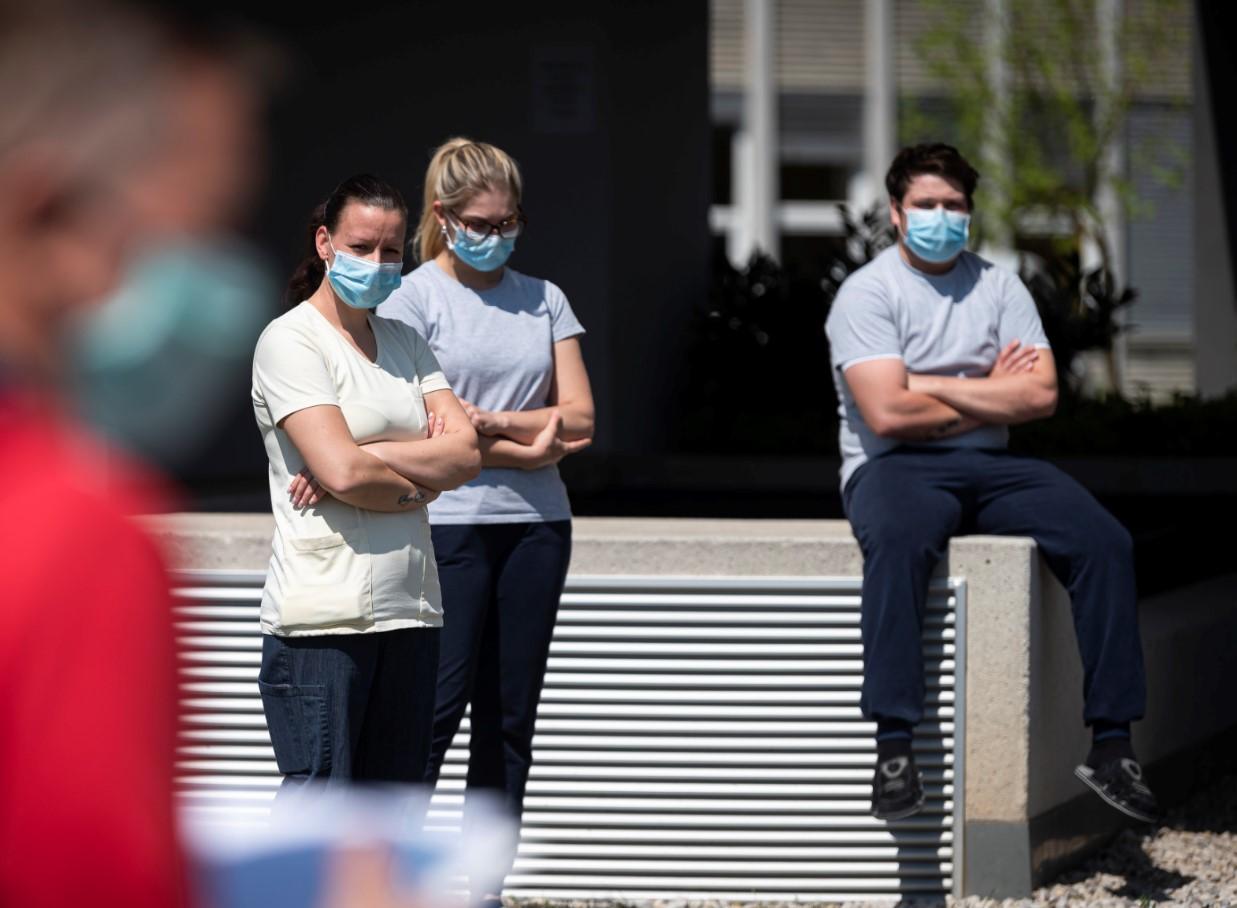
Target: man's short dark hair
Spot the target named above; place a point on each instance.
(935, 158)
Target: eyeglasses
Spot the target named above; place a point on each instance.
(479, 229)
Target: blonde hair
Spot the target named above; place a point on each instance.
(460, 170)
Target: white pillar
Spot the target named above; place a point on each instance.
(759, 208)
(997, 155)
(1109, 14)
(1112, 165)
(880, 111)
(740, 239)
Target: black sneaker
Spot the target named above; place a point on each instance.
(897, 789)
(1120, 783)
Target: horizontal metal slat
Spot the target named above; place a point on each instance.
(852, 884)
(748, 856)
(676, 725)
(817, 891)
(740, 775)
(207, 655)
(722, 869)
(644, 662)
(695, 697)
(545, 741)
(747, 836)
(446, 808)
(226, 752)
(761, 650)
(772, 681)
(673, 616)
(583, 600)
(826, 806)
(705, 760)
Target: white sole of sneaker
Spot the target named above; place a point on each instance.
(1087, 775)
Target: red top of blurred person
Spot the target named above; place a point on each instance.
(87, 674)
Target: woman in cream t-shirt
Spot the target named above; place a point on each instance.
(361, 431)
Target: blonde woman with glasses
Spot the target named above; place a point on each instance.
(509, 346)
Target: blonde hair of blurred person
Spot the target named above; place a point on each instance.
(96, 162)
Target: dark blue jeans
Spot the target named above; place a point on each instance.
(904, 506)
(350, 707)
(500, 589)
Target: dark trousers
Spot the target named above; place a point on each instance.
(350, 707)
(904, 506)
(500, 587)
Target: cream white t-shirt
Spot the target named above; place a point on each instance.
(335, 568)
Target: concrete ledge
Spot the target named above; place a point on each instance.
(1024, 816)
(601, 545)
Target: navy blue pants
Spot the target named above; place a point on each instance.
(500, 589)
(350, 707)
(904, 505)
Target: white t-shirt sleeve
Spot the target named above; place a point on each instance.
(563, 321)
(290, 372)
(1019, 317)
(860, 325)
(429, 373)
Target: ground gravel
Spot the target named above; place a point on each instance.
(1191, 860)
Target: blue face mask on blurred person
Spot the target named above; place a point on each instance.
(158, 363)
(484, 255)
(360, 283)
(936, 235)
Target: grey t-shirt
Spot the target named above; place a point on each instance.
(496, 348)
(950, 324)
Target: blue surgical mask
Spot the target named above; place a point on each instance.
(360, 283)
(484, 255)
(936, 235)
(156, 366)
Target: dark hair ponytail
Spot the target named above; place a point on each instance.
(363, 189)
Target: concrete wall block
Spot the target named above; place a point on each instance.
(1002, 577)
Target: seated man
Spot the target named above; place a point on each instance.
(936, 351)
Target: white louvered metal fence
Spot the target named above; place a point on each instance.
(698, 738)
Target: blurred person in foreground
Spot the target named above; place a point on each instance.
(117, 136)
(937, 351)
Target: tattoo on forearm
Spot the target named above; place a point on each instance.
(415, 498)
(945, 428)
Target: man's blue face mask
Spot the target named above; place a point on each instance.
(935, 234)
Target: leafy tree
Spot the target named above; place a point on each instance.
(1028, 93)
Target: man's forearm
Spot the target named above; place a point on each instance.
(911, 416)
(1002, 400)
